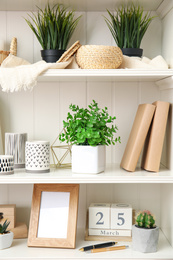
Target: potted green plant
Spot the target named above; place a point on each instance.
(88, 130)
(145, 233)
(128, 26)
(53, 28)
(6, 237)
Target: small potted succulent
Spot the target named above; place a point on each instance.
(128, 26)
(6, 237)
(53, 28)
(88, 131)
(145, 233)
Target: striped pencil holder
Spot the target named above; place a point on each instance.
(15, 145)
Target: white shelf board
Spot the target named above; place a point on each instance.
(105, 75)
(112, 174)
(19, 250)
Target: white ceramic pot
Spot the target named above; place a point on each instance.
(145, 240)
(88, 159)
(15, 145)
(37, 156)
(6, 240)
(6, 164)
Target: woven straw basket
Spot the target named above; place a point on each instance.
(99, 57)
(13, 50)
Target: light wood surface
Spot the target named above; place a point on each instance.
(20, 230)
(9, 213)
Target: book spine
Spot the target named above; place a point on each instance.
(154, 141)
(109, 232)
(137, 136)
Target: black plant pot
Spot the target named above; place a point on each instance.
(132, 52)
(51, 55)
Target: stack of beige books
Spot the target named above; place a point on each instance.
(148, 131)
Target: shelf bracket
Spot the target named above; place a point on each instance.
(166, 83)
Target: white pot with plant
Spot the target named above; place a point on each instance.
(145, 233)
(6, 237)
(128, 26)
(88, 131)
(53, 28)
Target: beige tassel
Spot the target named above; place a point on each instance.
(13, 46)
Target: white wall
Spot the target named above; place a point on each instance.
(167, 37)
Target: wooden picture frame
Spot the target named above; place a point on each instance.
(53, 219)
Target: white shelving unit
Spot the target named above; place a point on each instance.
(40, 113)
(165, 252)
(106, 75)
(112, 174)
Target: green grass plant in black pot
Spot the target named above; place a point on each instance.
(128, 26)
(89, 130)
(53, 28)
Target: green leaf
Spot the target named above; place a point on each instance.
(89, 126)
(54, 26)
(128, 25)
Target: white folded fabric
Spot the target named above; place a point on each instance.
(15, 78)
(144, 63)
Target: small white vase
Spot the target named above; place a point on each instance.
(145, 240)
(37, 156)
(6, 240)
(88, 159)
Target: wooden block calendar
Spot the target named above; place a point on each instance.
(99, 215)
(121, 214)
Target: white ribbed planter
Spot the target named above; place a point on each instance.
(37, 156)
(6, 240)
(88, 159)
(15, 145)
(145, 240)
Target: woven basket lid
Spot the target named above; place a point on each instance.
(99, 57)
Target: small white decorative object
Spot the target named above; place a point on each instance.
(15, 145)
(99, 216)
(88, 159)
(6, 164)
(121, 216)
(37, 154)
(6, 240)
